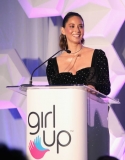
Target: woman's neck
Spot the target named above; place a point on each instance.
(75, 48)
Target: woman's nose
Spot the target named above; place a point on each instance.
(77, 29)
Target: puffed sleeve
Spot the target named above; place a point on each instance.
(51, 72)
(102, 72)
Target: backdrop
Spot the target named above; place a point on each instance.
(32, 29)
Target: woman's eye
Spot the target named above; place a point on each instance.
(71, 26)
(81, 26)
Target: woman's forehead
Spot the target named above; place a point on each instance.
(74, 20)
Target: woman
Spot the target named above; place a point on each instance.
(83, 65)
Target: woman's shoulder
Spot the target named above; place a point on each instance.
(100, 54)
(100, 57)
(87, 49)
(63, 54)
(99, 51)
(52, 61)
(52, 65)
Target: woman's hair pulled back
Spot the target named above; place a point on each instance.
(63, 40)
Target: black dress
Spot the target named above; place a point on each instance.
(96, 75)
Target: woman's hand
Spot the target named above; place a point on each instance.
(91, 91)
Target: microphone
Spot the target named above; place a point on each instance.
(30, 82)
(68, 51)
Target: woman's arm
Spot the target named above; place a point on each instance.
(102, 71)
(99, 73)
(51, 73)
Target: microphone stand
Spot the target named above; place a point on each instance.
(30, 82)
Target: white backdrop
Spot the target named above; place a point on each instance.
(36, 39)
(33, 39)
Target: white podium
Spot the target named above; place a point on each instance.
(66, 123)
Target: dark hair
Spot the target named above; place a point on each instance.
(63, 41)
(14, 154)
(69, 15)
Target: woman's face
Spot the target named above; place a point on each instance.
(74, 30)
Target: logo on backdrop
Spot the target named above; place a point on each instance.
(36, 149)
(42, 120)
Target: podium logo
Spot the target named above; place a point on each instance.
(55, 138)
(36, 149)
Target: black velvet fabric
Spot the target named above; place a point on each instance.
(96, 75)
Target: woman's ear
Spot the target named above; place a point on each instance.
(62, 30)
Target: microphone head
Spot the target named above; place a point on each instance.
(68, 51)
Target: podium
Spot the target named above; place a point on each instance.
(66, 122)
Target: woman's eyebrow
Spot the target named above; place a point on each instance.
(74, 24)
